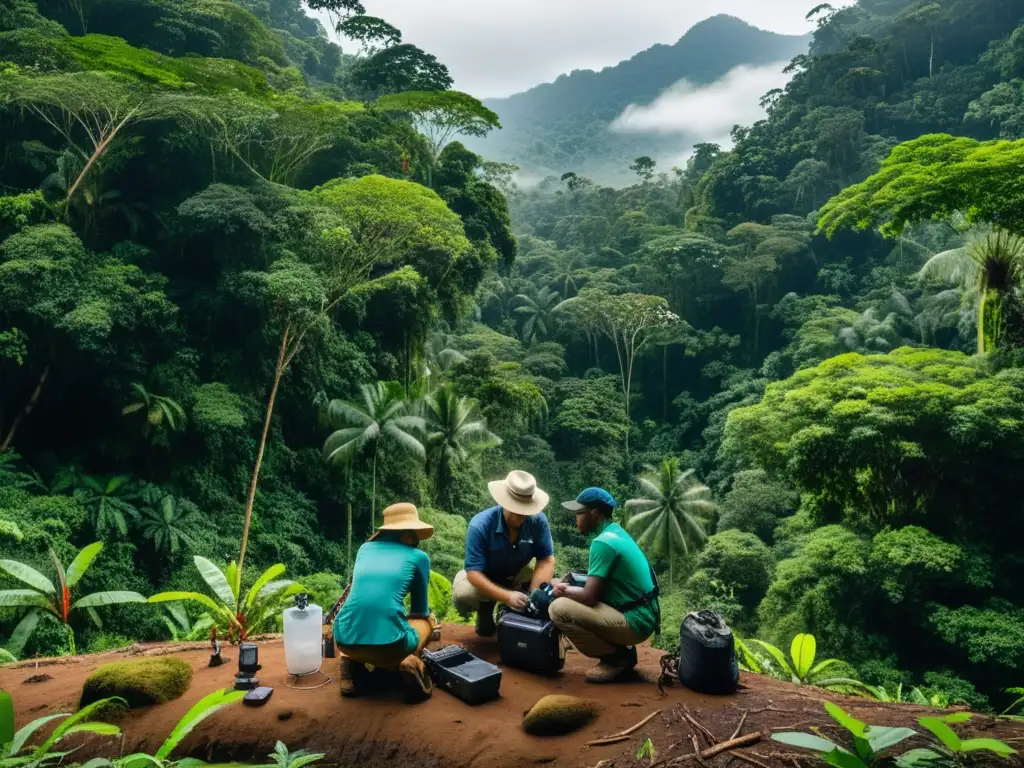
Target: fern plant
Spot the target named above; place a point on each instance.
(282, 758)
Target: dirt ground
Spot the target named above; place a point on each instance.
(445, 732)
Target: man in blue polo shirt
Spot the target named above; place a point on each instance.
(501, 545)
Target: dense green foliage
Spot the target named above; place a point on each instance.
(259, 305)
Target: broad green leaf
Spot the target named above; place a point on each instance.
(196, 597)
(777, 655)
(917, 757)
(942, 732)
(6, 719)
(850, 723)
(803, 651)
(98, 762)
(23, 598)
(202, 709)
(234, 577)
(843, 759)
(806, 741)
(267, 576)
(956, 717)
(100, 599)
(821, 666)
(302, 761)
(217, 581)
(82, 562)
(139, 760)
(29, 576)
(992, 745)
(881, 737)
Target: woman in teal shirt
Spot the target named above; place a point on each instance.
(372, 626)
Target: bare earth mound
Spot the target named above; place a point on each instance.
(445, 732)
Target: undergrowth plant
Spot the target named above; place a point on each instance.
(800, 668)
(871, 742)
(14, 749)
(240, 616)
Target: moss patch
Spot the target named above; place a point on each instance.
(557, 715)
(141, 683)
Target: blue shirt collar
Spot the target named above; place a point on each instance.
(525, 533)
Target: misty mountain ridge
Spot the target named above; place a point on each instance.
(567, 125)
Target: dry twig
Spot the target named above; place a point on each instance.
(707, 734)
(725, 746)
(622, 735)
(743, 719)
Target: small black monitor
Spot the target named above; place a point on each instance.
(248, 658)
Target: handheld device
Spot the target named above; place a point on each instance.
(248, 666)
(257, 697)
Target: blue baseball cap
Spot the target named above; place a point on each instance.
(589, 498)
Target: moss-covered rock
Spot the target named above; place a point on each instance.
(557, 715)
(141, 683)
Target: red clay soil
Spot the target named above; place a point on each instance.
(445, 732)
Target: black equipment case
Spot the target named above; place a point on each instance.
(529, 643)
(462, 674)
(707, 654)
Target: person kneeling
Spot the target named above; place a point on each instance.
(618, 607)
(372, 627)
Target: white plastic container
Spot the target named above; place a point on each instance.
(303, 639)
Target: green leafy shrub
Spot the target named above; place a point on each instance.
(140, 682)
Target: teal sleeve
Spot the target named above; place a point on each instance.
(419, 604)
(602, 558)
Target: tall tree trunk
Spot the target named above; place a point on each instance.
(373, 495)
(26, 411)
(664, 383)
(931, 53)
(254, 480)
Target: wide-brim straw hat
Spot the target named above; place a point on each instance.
(405, 517)
(519, 494)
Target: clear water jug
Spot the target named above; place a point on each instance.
(303, 637)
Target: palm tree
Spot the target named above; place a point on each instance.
(382, 416)
(109, 502)
(674, 515)
(440, 357)
(165, 524)
(41, 594)
(160, 410)
(992, 264)
(455, 431)
(538, 311)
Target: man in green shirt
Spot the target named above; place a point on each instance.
(618, 607)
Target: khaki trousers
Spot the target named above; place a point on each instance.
(596, 632)
(389, 656)
(466, 598)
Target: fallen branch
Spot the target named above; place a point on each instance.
(696, 751)
(725, 746)
(707, 734)
(739, 727)
(622, 735)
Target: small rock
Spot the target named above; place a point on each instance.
(36, 679)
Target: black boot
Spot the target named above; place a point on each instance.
(485, 626)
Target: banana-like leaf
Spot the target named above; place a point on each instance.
(82, 562)
(803, 651)
(6, 719)
(850, 723)
(197, 597)
(138, 760)
(29, 576)
(205, 707)
(991, 745)
(942, 732)
(918, 757)
(100, 599)
(806, 741)
(23, 598)
(217, 581)
(265, 578)
(234, 577)
(881, 737)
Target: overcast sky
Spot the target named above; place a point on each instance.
(497, 47)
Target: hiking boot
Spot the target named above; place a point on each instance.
(346, 680)
(485, 626)
(614, 667)
(415, 681)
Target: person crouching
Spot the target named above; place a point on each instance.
(618, 607)
(372, 627)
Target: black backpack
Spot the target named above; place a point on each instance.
(707, 654)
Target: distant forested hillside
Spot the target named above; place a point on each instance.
(564, 124)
